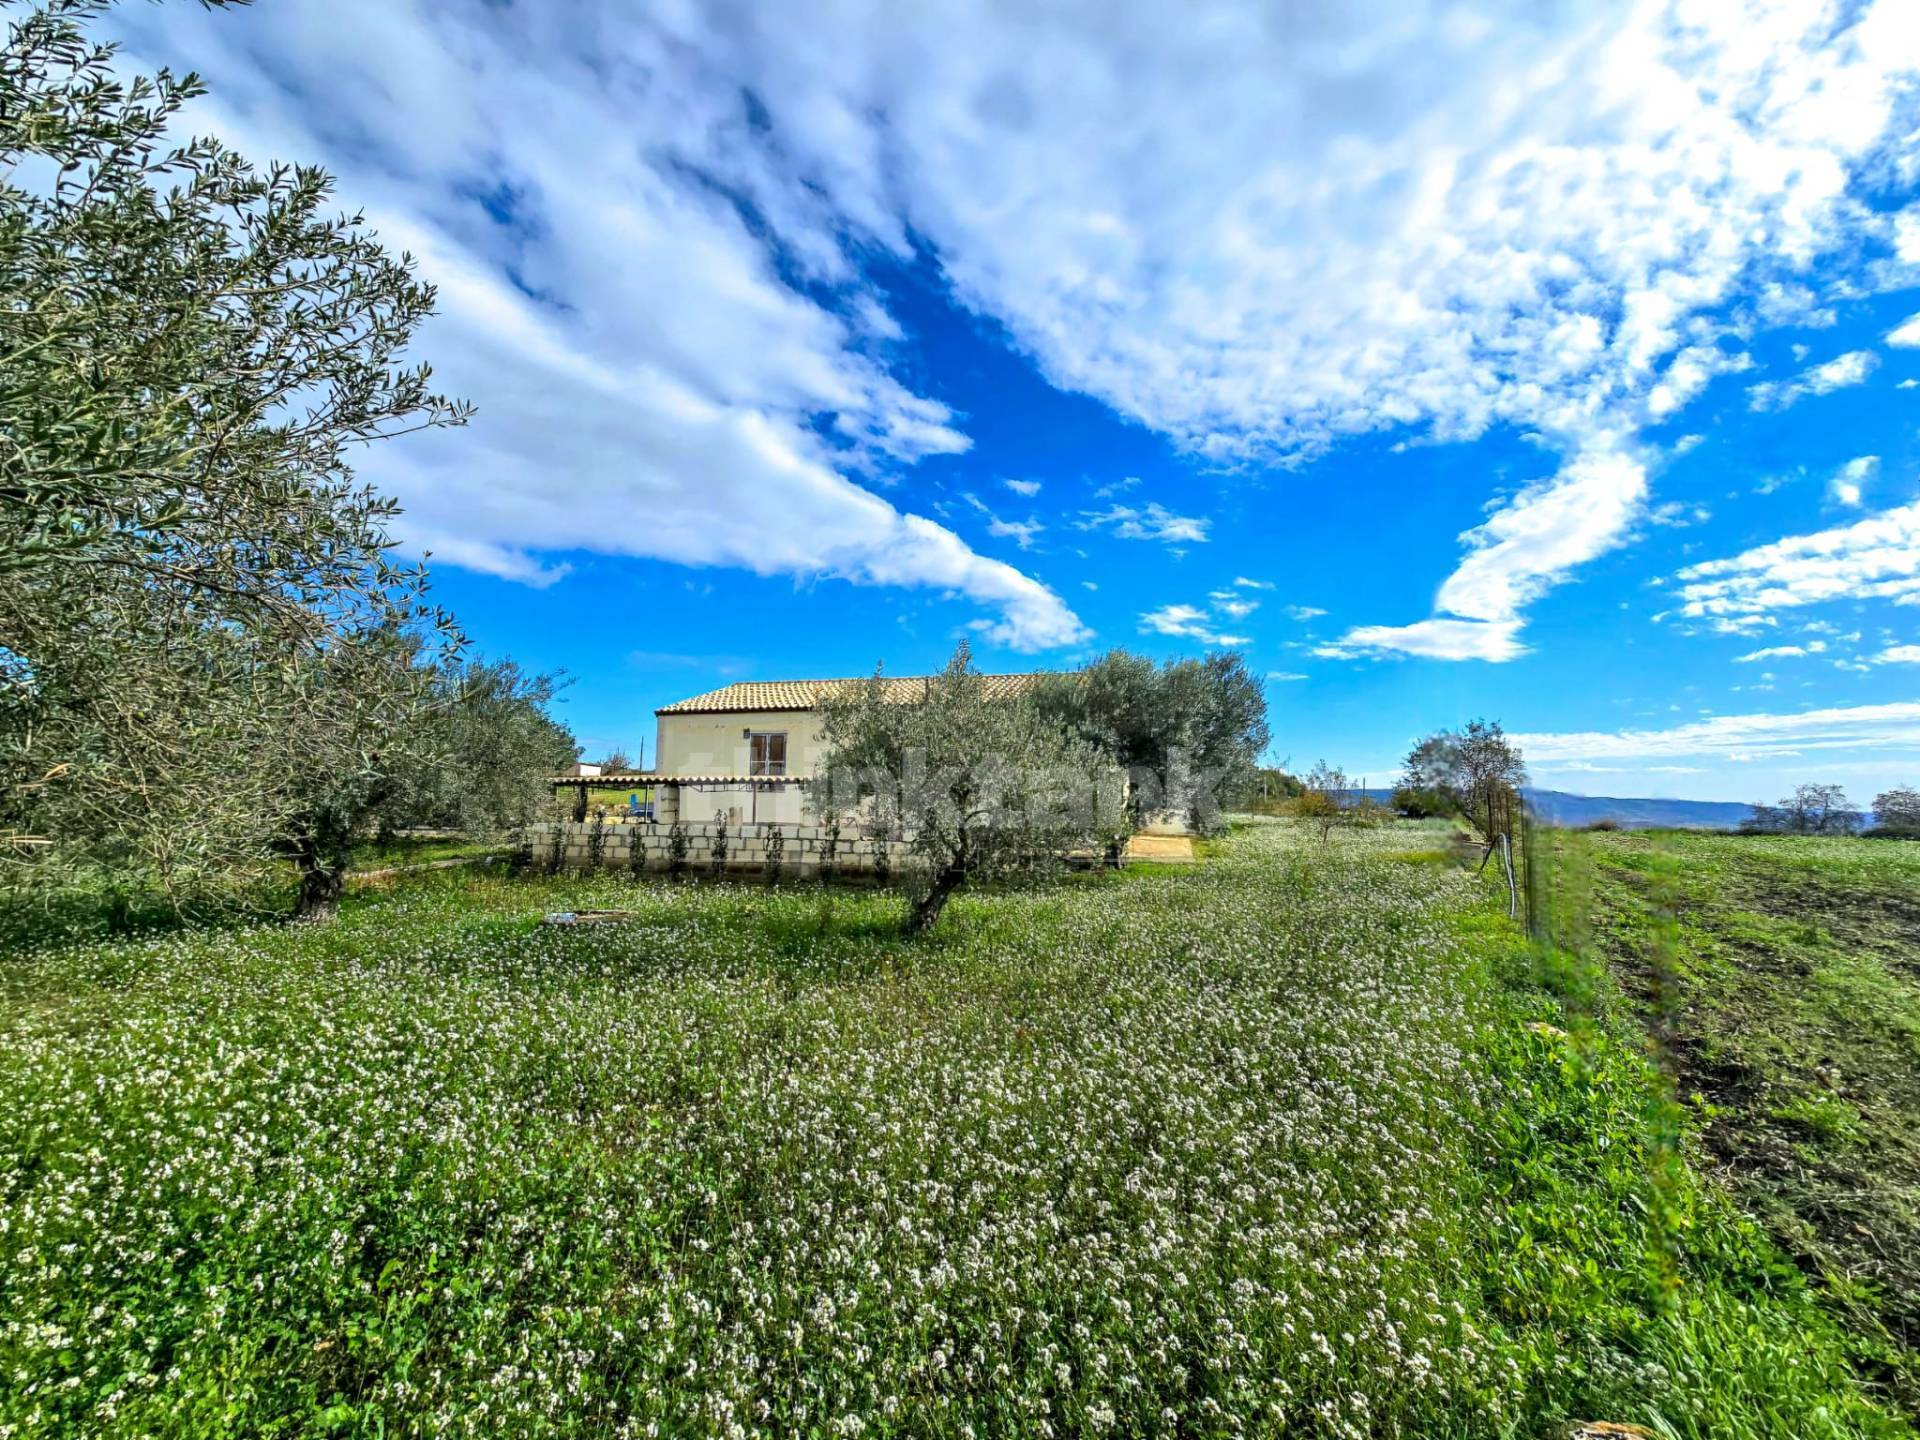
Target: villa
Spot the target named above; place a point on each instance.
(743, 753)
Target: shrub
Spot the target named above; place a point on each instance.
(830, 853)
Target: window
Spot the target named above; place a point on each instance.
(767, 752)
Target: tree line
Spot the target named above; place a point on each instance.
(987, 788)
(1478, 773)
(1817, 809)
(210, 660)
(1475, 773)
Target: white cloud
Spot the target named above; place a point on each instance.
(1433, 639)
(1022, 532)
(1781, 652)
(1581, 767)
(1199, 624)
(1283, 677)
(1155, 522)
(1898, 655)
(1245, 584)
(1906, 235)
(1189, 621)
(1689, 373)
(1027, 488)
(1521, 551)
(1878, 557)
(1304, 613)
(1236, 606)
(647, 382)
(1835, 374)
(1849, 482)
(1789, 303)
(1678, 515)
(1356, 220)
(1740, 736)
(1254, 230)
(1740, 624)
(1906, 334)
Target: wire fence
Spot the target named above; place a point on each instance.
(1581, 955)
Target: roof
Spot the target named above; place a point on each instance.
(647, 778)
(809, 694)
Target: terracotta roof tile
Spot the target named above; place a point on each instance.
(807, 694)
(645, 778)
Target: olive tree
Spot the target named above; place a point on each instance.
(190, 349)
(1428, 777)
(1475, 771)
(1189, 733)
(1328, 800)
(394, 734)
(491, 749)
(1811, 809)
(1897, 811)
(356, 738)
(1273, 788)
(979, 788)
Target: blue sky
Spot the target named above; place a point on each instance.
(1553, 363)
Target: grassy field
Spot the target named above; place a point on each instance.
(1780, 980)
(412, 850)
(1305, 1140)
(99, 901)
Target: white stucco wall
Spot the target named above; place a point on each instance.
(717, 744)
(745, 805)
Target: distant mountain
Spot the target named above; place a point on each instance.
(1557, 807)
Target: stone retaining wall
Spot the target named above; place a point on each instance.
(805, 849)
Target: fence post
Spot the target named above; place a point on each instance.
(1513, 892)
(1530, 881)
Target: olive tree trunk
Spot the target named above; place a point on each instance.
(321, 852)
(926, 908)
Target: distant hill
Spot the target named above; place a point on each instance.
(1557, 807)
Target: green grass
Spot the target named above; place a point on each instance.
(1261, 1146)
(614, 797)
(381, 855)
(1778, 979)
(99, 902)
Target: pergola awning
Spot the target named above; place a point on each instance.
(644, 779)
